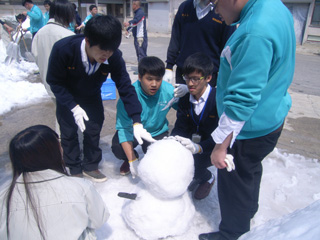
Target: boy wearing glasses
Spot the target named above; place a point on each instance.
(196, 118)
(154, 96)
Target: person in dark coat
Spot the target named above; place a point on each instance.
(78, 66)
(197, 117)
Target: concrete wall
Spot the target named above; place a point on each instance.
(159, 17)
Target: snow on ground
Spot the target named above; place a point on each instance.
(15, 90)
(289, 193)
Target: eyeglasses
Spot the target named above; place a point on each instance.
(194, 80)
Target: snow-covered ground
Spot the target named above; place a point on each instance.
(289, 193)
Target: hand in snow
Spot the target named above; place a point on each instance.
(133, 167)
(193, 147)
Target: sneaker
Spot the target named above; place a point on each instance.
(95, 175)
(203, 190)
(194, 183)
(125, 168)
(135, 73)
(79, 175)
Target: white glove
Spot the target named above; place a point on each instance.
(170, 138)
(79, 114)
(180, 90)
(168, 76)
(139, 132)
(134, 167)
(193, 147)
(230, 163)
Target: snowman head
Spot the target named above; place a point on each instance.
(167, 169)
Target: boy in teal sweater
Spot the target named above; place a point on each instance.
(256, 70)
(154, 95)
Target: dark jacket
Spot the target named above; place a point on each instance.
(190, 35)
(139, 24)
(72, 85)
(185, 126)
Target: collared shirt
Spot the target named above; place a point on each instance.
(198, 105)
(90, 68)
(202, 11)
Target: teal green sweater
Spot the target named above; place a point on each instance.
(152, 118)
(256, 68)
(36, 19)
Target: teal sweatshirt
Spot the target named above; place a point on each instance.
(257, 67)
(152, 118)
(36, 19)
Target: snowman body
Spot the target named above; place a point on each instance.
(163, 206)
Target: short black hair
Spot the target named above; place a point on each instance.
(199, 62)
(92, 7)
(151, 65)
(104, 31)
(25, 1)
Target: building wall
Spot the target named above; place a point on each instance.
(159, 17)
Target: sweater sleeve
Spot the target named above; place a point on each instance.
(138, 17)
(247, 79)
(35, 14)
(182, 124)
(98, 212)
(174, 45)
(57, 76)
(123, 124)
(126, 91)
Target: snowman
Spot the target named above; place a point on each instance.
(162, 206)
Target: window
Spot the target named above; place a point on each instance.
(315, 21)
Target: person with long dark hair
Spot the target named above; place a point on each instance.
(61, 14)
(42, 201)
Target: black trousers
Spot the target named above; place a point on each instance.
(201, 164)
(92, 154)
(238, 190)
(180, 80)
(118, 150)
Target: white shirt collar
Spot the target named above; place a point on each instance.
(201, 10)
(203, 97)
(90, 69)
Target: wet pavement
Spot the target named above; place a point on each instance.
(300, 135)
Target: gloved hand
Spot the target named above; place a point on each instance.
(170, 138)
(79, 114)
(133, 167)
(180, 90)
(168, 76)
(139, 132)
(230, 163)
(193, 147)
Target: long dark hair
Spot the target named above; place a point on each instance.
(62, 11)
(34, 149)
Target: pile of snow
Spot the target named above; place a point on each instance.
(163, 206)
(15, 88)
(289, 206)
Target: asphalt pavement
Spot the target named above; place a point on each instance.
(300, 135)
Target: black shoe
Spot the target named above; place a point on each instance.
(194, 183)
(211, 236)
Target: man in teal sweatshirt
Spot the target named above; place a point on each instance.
(154, 96)
(256, 70)
(35, 15)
